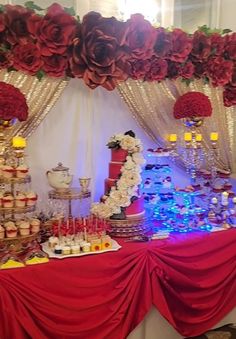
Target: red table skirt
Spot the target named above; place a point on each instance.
(191, 279)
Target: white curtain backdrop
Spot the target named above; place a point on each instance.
(75, 133)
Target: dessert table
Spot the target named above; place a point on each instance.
(189, 278)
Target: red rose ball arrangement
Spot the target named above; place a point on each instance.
(12, 103)
(192, 105)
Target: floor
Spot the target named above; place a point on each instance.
(225, 332)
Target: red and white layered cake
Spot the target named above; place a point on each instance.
(118, 159)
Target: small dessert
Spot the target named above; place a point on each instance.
(22, 171)
(96, 245)
(31, 198)
(2, 232)
(227, 186)
(106, 243)
(75, 249)
(58, 249)
(35, 225)
(20, 200)
(52, 242)
(66, 250)
(24, 228)
(217, 189)
(11, 229)
(8, 171)
(8, 201)
(85, 246)
(18, 222)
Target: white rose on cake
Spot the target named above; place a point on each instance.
(127, 143)
(138, 158)
(120, 198)
(101, 210)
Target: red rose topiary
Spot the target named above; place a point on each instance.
(12, 103)
(192, 105)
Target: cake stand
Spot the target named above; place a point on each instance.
(69, 195)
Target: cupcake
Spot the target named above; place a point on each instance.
(75, 249)
(58, 249)
(66, 250)
(20, 200)
(217, 189)
(8, 201)
(52, 242)
(35, 225)
(8, 171)
(11, 229)
(31, 198)
(1, 197)
(2, 232)
(24, 228)
(22, 171)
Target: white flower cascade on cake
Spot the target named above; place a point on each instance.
(127, 185)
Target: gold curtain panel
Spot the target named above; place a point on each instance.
(41, 96)
(152, 104)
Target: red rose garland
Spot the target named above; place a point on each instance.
(12, 103)
(192, 105)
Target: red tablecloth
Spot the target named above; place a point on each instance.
(191, 279)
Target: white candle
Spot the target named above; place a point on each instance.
(224, 198)
(214, 200)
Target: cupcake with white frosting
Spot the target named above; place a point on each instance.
(22, 171)
(31, 198)
(8, 171)
(8, 200)
(24, 228)
(20, 200)
(11, 229)
(2, 232)
(35, 225)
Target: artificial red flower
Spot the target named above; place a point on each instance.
(140, 37)
(220, 71)
(181, 45)
(55, 31)
(12, 103)
(158, 70)
(163, 43)
(174, 69)
(200, 69)
(187, 70)
(27, 58)
(139, 68)
(217, 44)
(16, 18)
(229, 96)
(230, 45)
(96, 53)
(6, 59)
(192, 105)
(201, 46)
(55, 65)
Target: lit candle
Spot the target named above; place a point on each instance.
(19, 142)
(214, 136)
(173, 137)
(234, 200)
(198, 137)
(187, 136)
(224, 198)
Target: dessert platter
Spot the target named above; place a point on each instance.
(75, 237)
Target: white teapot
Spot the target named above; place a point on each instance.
(59, 177)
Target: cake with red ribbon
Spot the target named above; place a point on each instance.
(122, 199)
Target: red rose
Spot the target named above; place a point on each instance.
(140, 37)
(12, 103)
(163, 42)
(16, 18)
(55, 31)
(187, 70)
(27, 58)
(200, 69)
(217, 44)
(173, 70)
(139, 68)
(220, 71)
(201, 46)
(229, 96)
(192, 105)
(181, 45)
(96, 53)
(55, 65)
(5, 60)
(158, 70)
(230, 45)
